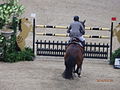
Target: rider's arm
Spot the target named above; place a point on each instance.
(68, 31)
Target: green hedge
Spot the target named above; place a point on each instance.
(115, 54)
(26, 55)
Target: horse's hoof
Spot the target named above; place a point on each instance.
(75, 72)
(63, 74)
(72, 78)
(79, 76)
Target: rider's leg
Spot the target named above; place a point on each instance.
(82, 40)
(83, 43)
(70, 40)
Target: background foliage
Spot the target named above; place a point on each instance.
(115, 54)
(9, 9)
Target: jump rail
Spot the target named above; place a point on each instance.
(66, 27)
(67, 35)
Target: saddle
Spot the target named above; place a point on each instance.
(76, 40)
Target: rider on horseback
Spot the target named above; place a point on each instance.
(77, 30)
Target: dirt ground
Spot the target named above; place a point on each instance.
(44, 73)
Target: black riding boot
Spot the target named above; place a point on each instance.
(83, 43)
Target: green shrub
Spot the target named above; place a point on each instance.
(115, 54)
(8, 9)
(26, 55)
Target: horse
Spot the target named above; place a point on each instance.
(73, 57)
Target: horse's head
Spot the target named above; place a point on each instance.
(83, 23)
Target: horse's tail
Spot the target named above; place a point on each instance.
(70, 64)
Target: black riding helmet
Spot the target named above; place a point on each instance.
(76, 18)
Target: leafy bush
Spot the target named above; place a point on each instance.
(26, 55)
(9, 9)
(115, 54)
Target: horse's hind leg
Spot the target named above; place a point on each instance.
(74, 70)
(78, 70)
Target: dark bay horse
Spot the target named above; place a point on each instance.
(72, 58)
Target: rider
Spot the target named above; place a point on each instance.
(76, 29)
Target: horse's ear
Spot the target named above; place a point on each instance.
(84, 21)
